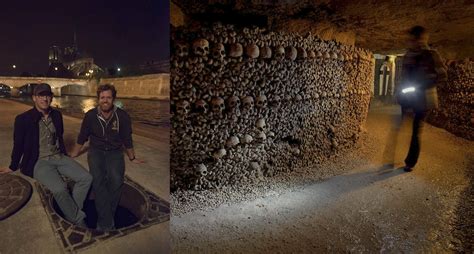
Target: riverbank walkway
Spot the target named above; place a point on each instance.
(29, 230)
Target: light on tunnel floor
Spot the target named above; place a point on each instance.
(408, 90)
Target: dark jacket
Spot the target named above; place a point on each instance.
(423, 69)
(106, 135)
(26, 139)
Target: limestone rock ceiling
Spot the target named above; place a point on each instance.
(376, 25)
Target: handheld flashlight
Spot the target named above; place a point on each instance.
(408, 90)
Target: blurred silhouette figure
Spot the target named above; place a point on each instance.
(422, 70)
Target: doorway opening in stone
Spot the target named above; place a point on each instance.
(130, 210)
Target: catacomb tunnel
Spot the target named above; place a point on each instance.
(263, 91)
(239, 88)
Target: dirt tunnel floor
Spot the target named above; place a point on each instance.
(365, 208)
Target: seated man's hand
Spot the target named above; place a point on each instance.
(5, 170)
(138, 161)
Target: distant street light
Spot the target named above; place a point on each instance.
(91, 71)
(118, 69)
(14, 66)
(55, 68)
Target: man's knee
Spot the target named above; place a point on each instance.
(86, 178)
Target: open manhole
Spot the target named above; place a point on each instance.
(138, 209)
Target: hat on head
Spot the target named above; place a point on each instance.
(42, 88)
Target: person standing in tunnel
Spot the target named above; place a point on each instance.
(109, 129)
(39, 152)
(422, 71)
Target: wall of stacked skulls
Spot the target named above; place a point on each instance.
(456, 100)
(249, 103)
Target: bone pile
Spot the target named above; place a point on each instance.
(249, 103)
(456, 100)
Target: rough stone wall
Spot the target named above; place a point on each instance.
(456, 101)
(248, 103)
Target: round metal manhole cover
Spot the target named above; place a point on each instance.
(14, 194)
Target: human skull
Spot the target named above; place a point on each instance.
(183, 107)
(319, 54)
(266, 52)
(248, 102)
(255, 166)
(247, 139)
(334, 55)
(276, 101)
(261, 101)
(201, 169)
(271, 134)
(181, 49)
(201, 106)
(252, 51)
(201, 47)
(302, 53)
(261, 136)
(291, 53)
(279, 52)
(235, 50)
(218, 51)
(217, 104)
(260, 124)
(232, 141)
(233, 102)
(298, 97)
(219, 154)
(342, 57)
(311, 54)
(326, 55)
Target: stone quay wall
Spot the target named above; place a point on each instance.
(249, 103)
(153, 86)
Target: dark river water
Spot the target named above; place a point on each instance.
(152, 112)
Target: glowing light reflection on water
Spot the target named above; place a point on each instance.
(154, 112)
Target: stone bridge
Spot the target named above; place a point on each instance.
(56, 83)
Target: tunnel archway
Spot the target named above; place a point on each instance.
(5, 90)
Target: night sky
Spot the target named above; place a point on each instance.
(113, 32)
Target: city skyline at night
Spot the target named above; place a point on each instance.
(114, 33)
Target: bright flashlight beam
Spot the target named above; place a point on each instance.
(408, 90)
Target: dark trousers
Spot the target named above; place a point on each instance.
(107, 169)
(414, 150)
